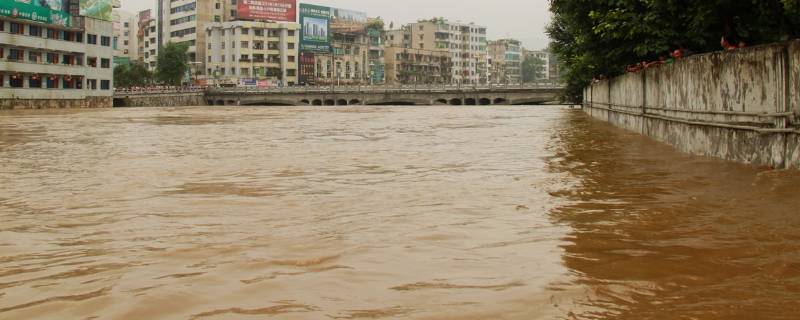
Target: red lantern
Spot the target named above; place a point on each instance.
(52, 78)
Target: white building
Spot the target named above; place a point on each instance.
(46, 65)
(544, 56)
(125, 42)
(147, 39)
(183, 21)
(240, 51)
(466, 43)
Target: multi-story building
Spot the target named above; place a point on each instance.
(125, 41)
(545, 59)
(506, 61)
(244, 52)
(417, 66)
(56, 61)
(183, 21)
(147, 39)
(466, 44)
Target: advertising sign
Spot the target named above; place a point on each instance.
(315, 35)
(271, 10)
(98, 9)
(51, 12)
(248, 82)
(263, 83)
(348, 21)
(145, 16)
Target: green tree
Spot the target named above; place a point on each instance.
(172, 63)
(122, 76)
(139, 75)
(532, 69)
(599, 38)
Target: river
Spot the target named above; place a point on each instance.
(382, 213)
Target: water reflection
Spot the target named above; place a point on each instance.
(661, 235)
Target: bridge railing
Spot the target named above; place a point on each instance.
(338, 89)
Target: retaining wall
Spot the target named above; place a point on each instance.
(162, 100)
(741, 105)
(88, 102)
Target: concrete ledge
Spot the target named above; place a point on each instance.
(772, 149)
(89, 102)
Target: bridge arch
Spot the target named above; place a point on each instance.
(330, 102)
(341, 102)
(455, 102)
(305, 102)
(440, 101)
(316, 102)
(485, 101)
(355, 102)
(470, 102)
(500, 101)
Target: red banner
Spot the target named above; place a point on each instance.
(271, 10)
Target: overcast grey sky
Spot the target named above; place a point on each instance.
(520, 19)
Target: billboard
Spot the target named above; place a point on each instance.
(98, 9)
(271, 10)
(348, 21)
(315, 34)
(45, 11)
(145, 16)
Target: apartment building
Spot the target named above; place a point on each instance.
(125, 41)
(49, 63)
(546, 59)
(418, 66)
(184, 21)
(147, 39)
(466, 43)
(505, 61)
(246, 52)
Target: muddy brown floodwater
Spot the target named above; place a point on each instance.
(382, 213)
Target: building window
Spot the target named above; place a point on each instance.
(51, 82)
(2, 76)
(105, 63)
(35, 31)
(52, 58)
(2, 27)
(35, 81)
(105, 41)
(91, 84)
(15, 81)
(17, 28)
(291, 72)
(245, 44)
(90, 38)
(16, 55)
(35, 57)
(290, 33)
(291, 46)
(291, 58)
(105, 84)
(245, 31)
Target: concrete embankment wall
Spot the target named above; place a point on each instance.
(87, 102)
(162, 100)
(741, 105)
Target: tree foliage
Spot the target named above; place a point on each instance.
(172, 63)
(601, 37)
(132, 75)
(533, 69)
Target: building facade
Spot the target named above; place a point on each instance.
(418, 66)
(184, 21)
(506, 61)
(545, 59)
(147, 39)
(465, 42)
(245, 52)
(56, 65)
(125, 41)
